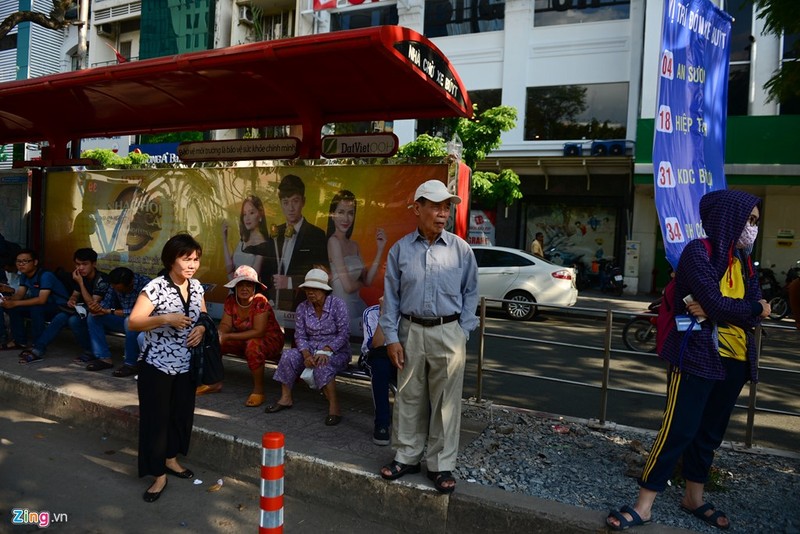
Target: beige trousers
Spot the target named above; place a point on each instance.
(428, 401)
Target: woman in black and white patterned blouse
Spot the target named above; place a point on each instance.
(165, 310)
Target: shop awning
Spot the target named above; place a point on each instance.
(379, 73)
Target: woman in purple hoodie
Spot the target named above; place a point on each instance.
(707, 367)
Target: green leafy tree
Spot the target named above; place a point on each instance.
(479, 137)
(782, 17)
(109, 159)
(424, 146)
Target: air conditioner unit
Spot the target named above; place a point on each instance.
(108, 30)
(245, 14)
(608, 148)
(573, 149)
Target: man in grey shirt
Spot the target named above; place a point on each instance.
(430, 297)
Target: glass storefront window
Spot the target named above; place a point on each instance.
(364, 18)
(557, 12)
(741, 29)
(790, 106)
(790, 45)
(459, 17)
(738, 89)
(594, 111)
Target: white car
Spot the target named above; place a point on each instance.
(514, 275)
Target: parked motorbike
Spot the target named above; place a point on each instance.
(780, 302)
(639, 333)
(611, 279)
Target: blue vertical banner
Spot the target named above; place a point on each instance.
(691, 108)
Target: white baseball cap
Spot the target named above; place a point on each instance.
(435, 191)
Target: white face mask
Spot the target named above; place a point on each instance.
(748, 237)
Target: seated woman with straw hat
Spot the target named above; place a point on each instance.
(248, 329)
(322, 337)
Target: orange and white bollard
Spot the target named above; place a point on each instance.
(271, 484)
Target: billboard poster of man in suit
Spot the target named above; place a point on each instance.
(272, 216)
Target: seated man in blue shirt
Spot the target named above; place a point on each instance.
(112, 315)
(38, 297)
(88, 284)
(381, 371)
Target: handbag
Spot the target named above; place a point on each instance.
(206, 366)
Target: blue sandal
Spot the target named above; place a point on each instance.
(712, 519)
(624, 523)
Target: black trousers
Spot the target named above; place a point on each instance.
(166, 413)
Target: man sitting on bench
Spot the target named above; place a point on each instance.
(38, 298)
(87, 284)
(112, 315)
(381, 370)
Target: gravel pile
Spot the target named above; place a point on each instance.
(574, 463)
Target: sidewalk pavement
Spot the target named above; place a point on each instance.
(336, 466)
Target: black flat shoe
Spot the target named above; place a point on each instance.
(124, 371)
(153, 497)
(277, 407)
(186, 473)
(333, 420)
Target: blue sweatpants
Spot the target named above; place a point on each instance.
(694, 424)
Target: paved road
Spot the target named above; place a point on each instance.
(88, 483)
(572, 362)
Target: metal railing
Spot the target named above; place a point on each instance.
(608, 350)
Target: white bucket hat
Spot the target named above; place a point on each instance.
(435, 191)
(244, 273)
(316, 279)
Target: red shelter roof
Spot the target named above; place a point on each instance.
(379, 73)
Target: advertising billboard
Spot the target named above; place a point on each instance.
(238, 217)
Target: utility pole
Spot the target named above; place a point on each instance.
(83, 28)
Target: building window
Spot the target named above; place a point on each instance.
(596, 111)
(364, 18)
(738, 89)
(741, 47)
(125, 48)
(791, 106)
(482, 99)
(459, 17)
(8, 42)
(557, 12)
(278, 26)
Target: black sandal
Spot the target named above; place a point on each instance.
(398, 469)
(99, 365)
(439, 478)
